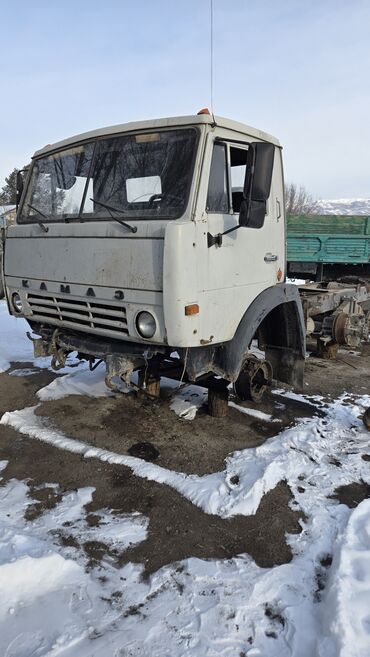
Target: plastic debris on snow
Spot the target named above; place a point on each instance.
(188, 400)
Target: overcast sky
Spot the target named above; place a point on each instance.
(298, 69)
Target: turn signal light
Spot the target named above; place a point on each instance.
(192, 309)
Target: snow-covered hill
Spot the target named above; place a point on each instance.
(344, 206)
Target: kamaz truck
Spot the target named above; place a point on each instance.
(160, 246)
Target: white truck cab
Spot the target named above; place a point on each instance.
(141, 239)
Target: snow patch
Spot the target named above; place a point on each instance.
(28, 578)
(51, 605)
(26, 371)
(344, 206)
(48, 601)
(346, 618)
(254, 412)
(78, 382)
(310, 450)
(14, 345)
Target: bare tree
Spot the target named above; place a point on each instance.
(299, 201)
(9, 191)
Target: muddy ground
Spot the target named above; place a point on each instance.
(177, 529)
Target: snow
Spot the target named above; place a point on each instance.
(48, 600)
(296, 281)
(53, 603)
(15, 346)
(344, 206)
(254, 412)
(50, 604)
(347, 600)
(25, 371)
(79, 382)
(187, 399)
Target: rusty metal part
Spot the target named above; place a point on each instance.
(327, 349)
(345, 328)
(341, 323)
(350, 329)
(58, 359)
(120, 367)
(336, 314)
(41, 347)
(319, 298)
(149, 382)
(254, 380)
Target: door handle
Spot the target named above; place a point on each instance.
(270, 257)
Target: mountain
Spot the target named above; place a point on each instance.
(344, 206)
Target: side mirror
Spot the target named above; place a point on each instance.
(19, 190)
(257, 184)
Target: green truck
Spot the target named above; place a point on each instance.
(328, 247)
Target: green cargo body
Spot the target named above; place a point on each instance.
(329, 239)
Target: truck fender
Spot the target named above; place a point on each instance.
(277, 315)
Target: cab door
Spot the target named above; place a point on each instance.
(246, 260)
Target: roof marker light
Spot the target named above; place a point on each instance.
(205, 110)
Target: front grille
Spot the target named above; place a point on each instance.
(95, 317)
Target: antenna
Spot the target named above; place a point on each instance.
(211, 57)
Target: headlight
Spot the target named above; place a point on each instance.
(145, 324)
(17, 302)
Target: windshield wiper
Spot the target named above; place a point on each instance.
(133, 229)
(44, 228)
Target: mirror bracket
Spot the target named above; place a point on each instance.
(213, 240)
(217, 239)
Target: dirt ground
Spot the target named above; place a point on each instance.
(177, 528)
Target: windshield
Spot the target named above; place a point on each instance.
(147, 175)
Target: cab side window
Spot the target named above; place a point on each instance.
(238, 162)
(218, 196)
(227, 177)
(228, 167)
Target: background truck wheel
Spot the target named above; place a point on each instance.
(254, 380)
